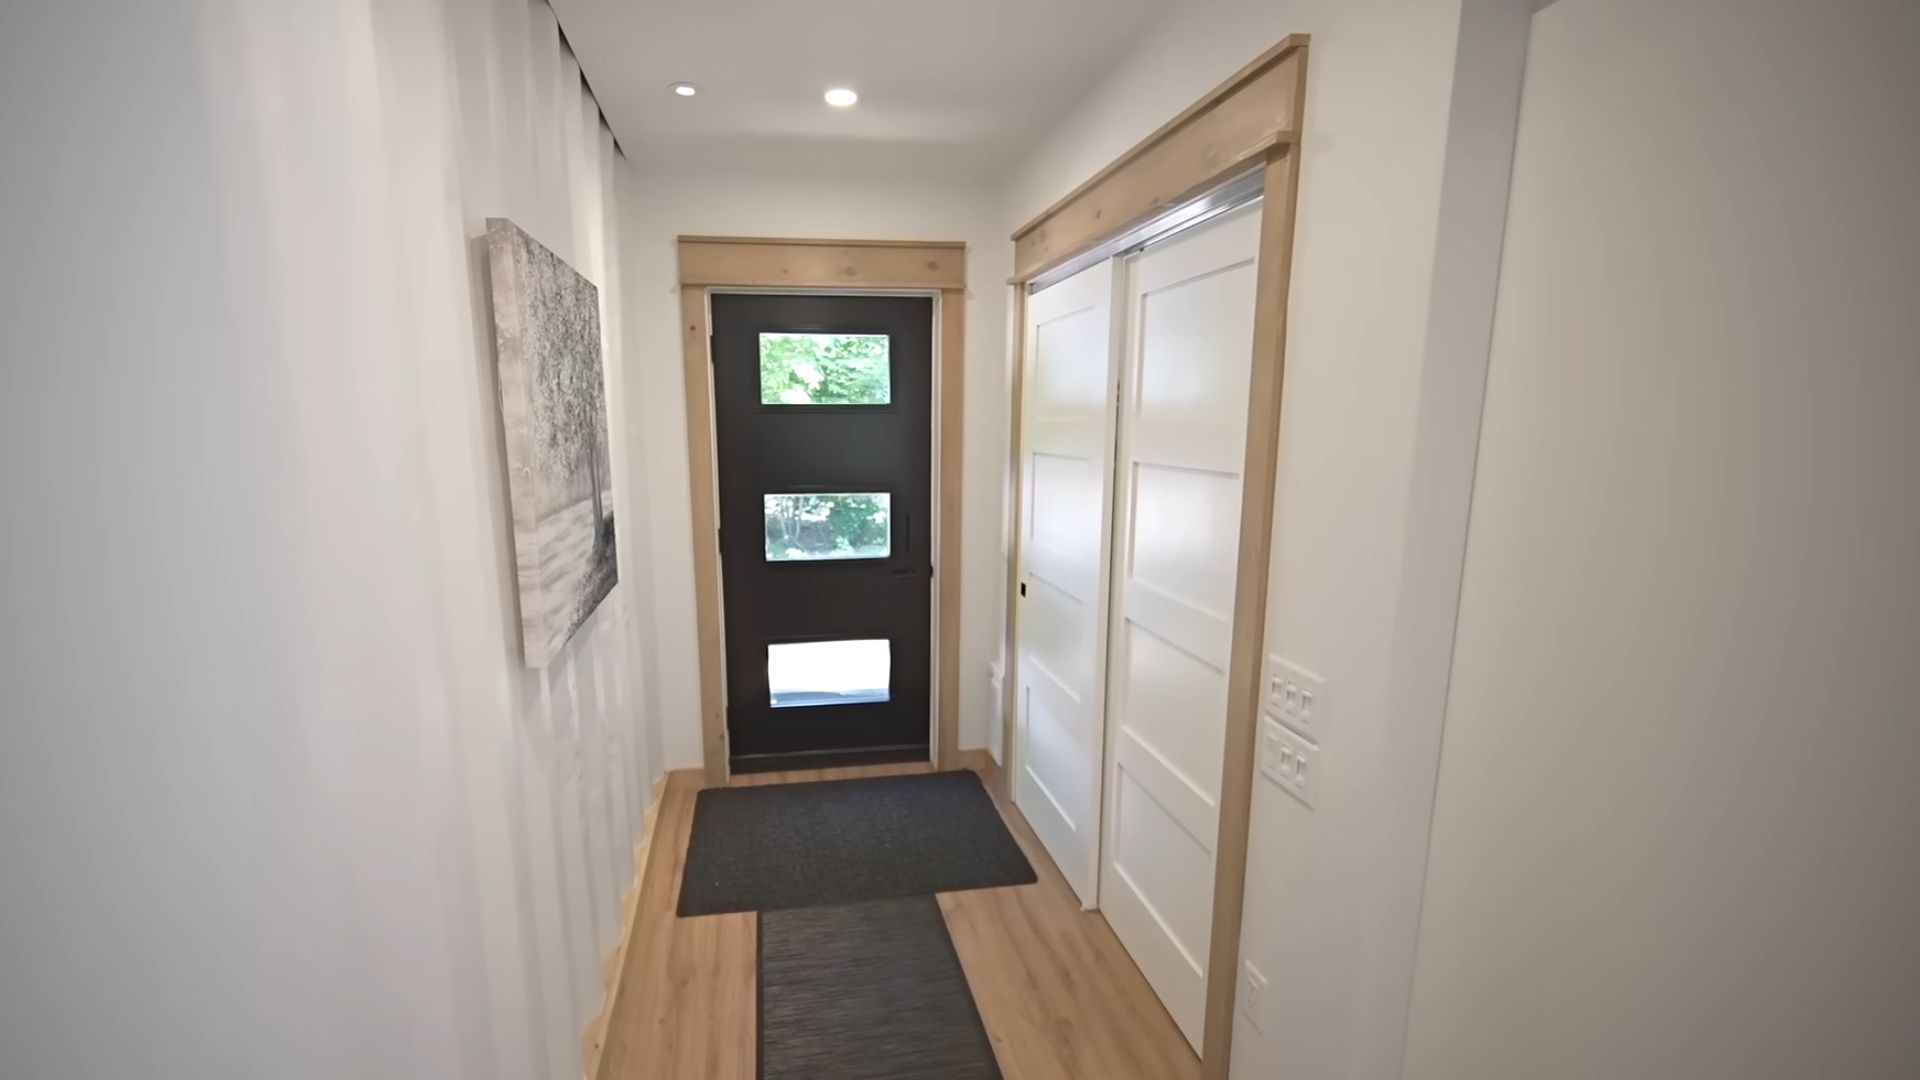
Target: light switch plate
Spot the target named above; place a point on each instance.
(1297, 696)
(1290, 760)
(1253, 996)
(1270, 748)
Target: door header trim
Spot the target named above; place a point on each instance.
(1231, 195)
(1241, 123)
(822, 264)
(793, 241)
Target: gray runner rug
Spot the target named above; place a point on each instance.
(869, 991)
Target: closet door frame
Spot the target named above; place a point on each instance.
(1250, 122)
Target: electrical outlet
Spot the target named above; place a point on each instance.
(1297, 696)
(1290, 760)
(1253, 996)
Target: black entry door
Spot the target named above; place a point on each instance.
(823, 408)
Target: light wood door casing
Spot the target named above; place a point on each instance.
(1065, 519)
(1188, 348)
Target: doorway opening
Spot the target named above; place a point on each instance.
(823, 423)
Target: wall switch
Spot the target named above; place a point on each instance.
(1297, 696)
(1253, 996)
(1290, 760)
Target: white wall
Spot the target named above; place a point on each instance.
(1675, 833)
(278, 797)
(669, 204)
(1409, 117)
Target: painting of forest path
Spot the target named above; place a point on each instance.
(553, 406)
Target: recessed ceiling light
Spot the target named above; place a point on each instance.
(840, 97)
(685, 89)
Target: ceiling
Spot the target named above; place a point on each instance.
(949, 89)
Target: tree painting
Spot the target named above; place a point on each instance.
(553, 405)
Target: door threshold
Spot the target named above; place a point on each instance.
(830, 759)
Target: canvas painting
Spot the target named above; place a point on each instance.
(553, 404)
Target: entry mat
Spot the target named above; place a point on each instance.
(868, 991)
(845, 841)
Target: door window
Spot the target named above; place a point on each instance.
(842, 525)
(825, 369)
(803, 673)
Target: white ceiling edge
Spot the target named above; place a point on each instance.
(942, 117)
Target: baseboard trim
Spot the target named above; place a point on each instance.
(593, 1041)
(978, 760)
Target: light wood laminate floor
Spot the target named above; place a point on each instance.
(1058, 993)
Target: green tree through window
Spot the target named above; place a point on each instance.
(840, 526)
(824, 369)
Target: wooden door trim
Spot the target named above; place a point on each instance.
(948, 432)
(1255, 117)
(757, 262)
(1238, 124)
(935, 269)
(704, 476)
(1016, 489)
(807, 241)
(1247, 656)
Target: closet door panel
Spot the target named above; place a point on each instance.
(1065, 524)
(1188, 348)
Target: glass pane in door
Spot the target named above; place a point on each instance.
(825, 369)
(839, 525)
(802, 673)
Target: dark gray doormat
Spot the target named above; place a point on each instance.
(843, 841)
(869, 991)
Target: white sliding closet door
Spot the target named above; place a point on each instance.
(1066, 514)
(1188, 353)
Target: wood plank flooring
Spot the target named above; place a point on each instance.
(1060, 998)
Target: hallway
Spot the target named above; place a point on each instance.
(1058, 994)
(1319, 540)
